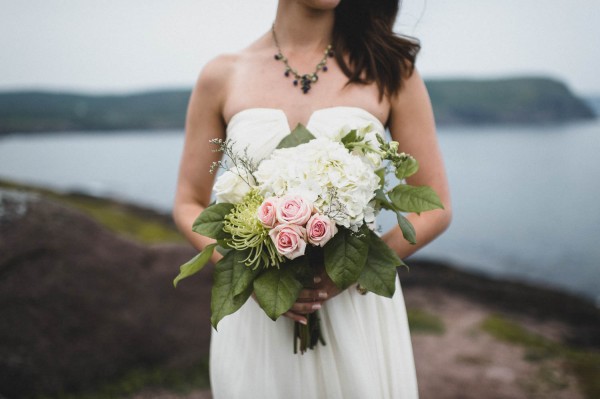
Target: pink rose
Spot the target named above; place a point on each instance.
(267, 212)
(289, 240)
(320, 229)
(293, 209)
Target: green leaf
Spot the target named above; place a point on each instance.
(223, 299)
(381, 174)
(382, 200)
(195, 264)
(299, 135)
(304, 272)
(408, 231)
(345, 257)
(379, 274)
(243, 277)
(406, 168)
(210, 221)
(350, 137)
(407, 198)
(276, 291)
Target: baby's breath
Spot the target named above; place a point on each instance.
(242, 162)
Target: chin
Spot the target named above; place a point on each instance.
(321, 4)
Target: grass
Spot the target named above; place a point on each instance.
(584, 364)
(176, 381)
(124, 222)
(421, 321)
(112, 215)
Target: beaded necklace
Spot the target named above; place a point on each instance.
(305, 80)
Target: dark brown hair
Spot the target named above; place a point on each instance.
(363, 30)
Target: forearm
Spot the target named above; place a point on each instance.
(428, 225)
(184, 215)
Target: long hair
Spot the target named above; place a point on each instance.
(363, 29)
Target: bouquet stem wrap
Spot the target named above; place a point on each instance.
(307, 336)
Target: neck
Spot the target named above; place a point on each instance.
(299, 27)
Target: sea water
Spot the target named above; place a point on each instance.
(525, 199)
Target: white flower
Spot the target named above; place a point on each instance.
(340, 184)
(231, 187)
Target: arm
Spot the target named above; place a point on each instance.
(204, 121)
(412, 125)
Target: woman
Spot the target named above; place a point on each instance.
(256, 98)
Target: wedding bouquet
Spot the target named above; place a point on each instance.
(311, 204)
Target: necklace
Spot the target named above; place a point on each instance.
(305, 80)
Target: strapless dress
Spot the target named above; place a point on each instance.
(368, 351)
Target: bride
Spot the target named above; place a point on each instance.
(326, 64)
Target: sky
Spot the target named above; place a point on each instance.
(129, 45)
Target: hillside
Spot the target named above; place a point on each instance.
(505, 101)
(594, 103)
(455, 102)
(89, 311)
(48, 112)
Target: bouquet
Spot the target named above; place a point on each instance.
(311, 204)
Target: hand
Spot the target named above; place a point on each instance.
(311, 299)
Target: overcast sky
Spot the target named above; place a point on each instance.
(127, 45)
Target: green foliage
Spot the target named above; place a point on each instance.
(224, 301)
(584, 364)
(407, 167)
(421, 321)
(351, 137)
(210, 221)
(276, 290)
(299, 135)
(407, 198)
(195, 264)
(345, 256)
(379, 272)
(408, 230)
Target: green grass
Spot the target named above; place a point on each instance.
(585, 365)
(176, 381)
(123, 222)
(421, 321)
(111, 215)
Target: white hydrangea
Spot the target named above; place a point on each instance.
(323, 171)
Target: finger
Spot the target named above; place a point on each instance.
(296, 317)
(312, 295)
(305, 307)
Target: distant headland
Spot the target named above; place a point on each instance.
(521, 100)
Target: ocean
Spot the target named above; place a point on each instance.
(525, 199)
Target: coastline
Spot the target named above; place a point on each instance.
(63, 260)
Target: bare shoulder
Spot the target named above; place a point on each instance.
(411, 108)
(215, 75)
(413, 93)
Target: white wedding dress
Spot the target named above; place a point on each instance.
(368, 352)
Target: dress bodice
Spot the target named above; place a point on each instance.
(259, 130)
